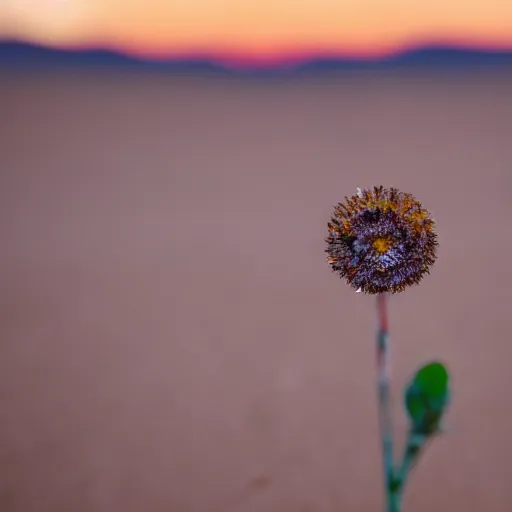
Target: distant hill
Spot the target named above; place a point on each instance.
(19, 55)
(418, 58)
(16, 55)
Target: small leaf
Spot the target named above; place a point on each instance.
(427, 397)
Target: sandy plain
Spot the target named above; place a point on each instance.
(172, 338)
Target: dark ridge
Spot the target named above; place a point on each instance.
(20, 55)
(418, 58)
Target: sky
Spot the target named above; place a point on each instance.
(258, 29)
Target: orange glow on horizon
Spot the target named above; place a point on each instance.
(257, 30)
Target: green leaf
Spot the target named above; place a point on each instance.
(427, 397)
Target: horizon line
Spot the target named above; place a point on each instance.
(264, 59)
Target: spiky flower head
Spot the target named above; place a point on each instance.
(381, 240)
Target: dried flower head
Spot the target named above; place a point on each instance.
(381, 240)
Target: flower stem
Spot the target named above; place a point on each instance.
(414, 446)
(386, 431)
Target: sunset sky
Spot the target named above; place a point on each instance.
(257, 28)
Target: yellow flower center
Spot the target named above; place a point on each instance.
(382, 245)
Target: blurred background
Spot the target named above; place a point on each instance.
(171, 336)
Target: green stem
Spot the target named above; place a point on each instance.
(386, 431)
(393, 504)
(413, 448)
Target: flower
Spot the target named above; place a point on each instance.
(381, 240)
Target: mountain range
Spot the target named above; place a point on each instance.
(21, 55)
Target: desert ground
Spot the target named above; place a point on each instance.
(172, 338)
